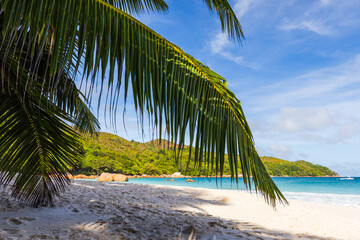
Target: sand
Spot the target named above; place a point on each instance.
(109, 210)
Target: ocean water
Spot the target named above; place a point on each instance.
(330, 190)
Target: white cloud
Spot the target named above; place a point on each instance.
(324, 17)
(219, 42)
(348, 131)
(319, 107)
(221, 45)
(281, 151)
(310, 25)
(328, 86)
(241, 7)
(315, 125)
(346, 168)
(303, 119)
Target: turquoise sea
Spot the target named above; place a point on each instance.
(332, 190)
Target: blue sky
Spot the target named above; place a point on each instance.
(297, 73)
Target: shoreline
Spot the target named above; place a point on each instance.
(335, 196)
(84, 176)
(113, 210)
(333, 199)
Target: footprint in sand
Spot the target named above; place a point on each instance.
(14, 221)
(75, 210)
(19, 221)
(27, 219)
(39, 236)
(10, 233)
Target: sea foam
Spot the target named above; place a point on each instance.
(329, 198)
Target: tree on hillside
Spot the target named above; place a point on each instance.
(47, 44)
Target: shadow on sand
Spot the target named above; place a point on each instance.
(106, 210)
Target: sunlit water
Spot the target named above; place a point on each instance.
(330, 190)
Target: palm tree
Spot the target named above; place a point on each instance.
(47, 44)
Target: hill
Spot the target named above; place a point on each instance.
(111, 153)
(280, 167)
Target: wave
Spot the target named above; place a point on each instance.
(330, 198)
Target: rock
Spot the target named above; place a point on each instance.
(190, 180)
(120, 178)
(171, 180)
(81, 176)
(108, 177)
(176, 175)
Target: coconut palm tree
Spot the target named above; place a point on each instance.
(47, 44)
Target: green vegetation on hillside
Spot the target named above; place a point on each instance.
(279, 167)
(110, 153)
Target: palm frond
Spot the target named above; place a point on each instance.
(37, 149)
(229, 22)
(137, 6)
(37, 146)
(177, 90)
(71, 101)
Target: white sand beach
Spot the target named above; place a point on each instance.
(110, 210)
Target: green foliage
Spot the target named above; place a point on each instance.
(279, 167)
(37, 146)
(111, 153)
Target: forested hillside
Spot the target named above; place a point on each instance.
(110, 153)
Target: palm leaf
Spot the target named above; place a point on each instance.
(229, 22)
(37, 146)
(37, 149)
(177, 90)
(138, 6)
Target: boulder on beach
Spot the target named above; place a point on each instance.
(190, 180)
(79, 176)
(82, 176)
(120, 178)
(108, 177)
(177, 175)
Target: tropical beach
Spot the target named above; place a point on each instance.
(181, 120)
(110, 210)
